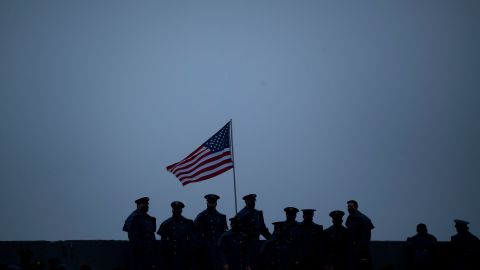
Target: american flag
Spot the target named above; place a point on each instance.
(212, 158)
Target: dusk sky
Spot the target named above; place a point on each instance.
(377, 101)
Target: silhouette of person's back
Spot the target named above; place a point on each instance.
(359, 228)
(465, 247)
(336, 242)
(141, 234)
(421, 249)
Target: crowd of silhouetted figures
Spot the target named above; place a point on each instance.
(206, 243)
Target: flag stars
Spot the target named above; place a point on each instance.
(220, 140)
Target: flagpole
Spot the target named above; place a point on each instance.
(234, 165)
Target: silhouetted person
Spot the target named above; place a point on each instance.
(291, 223)
(177, 233)
(235, 248)
(310, 243)
(465, 247)
(292, 234)
(252, 220)
(140, 227)
(421, 249)
(336, 242)
(276, 252)
(253, 224)
(209, 226)
(359, 228)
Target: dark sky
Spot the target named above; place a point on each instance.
(376, 101)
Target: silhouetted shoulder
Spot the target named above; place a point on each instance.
(129, 221)
(202, 214)
(243, 212)
(167, 221)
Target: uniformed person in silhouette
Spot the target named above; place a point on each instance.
(141, 234)
(465, 247)
(311, 243)
(209, 226)
(177, 233)
(421, 249)
(291, 223)
(336, 242)
(252, 220)
(291, 233)
(235, 248)
(359, 228)
(276, 252)
(253, 224)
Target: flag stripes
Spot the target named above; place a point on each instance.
(209, 160)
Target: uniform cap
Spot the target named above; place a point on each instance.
(290, 210)
(143, 200)
(250, 196)
(461, 222)
(308, 211)
(177, 205)
(211, 197)
(279, 225)
(337, 214)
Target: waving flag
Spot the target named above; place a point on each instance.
(212, 158)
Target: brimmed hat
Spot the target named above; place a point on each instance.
(211, 197)
(143, 200)
(250, 197)
(337, 214)
(177, 205)
(290, 210)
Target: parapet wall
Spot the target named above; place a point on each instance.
(106, 255)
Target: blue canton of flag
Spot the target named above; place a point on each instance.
(212, 158)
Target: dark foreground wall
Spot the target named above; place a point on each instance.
(98, 254)
(106, 255)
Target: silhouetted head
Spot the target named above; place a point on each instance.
(337, 217)
(211, 201)
(290, 213)
(461, 225)
(422, 229)
(352, 206)
(142, 204)
(279, 228)
(235, 223)
(308, 215)
(177, 208)
(250, 200)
